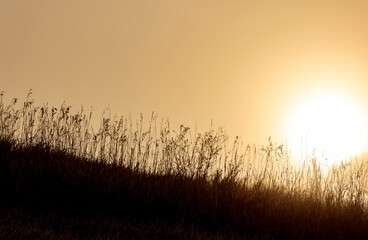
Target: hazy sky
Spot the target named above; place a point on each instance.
(243, 64)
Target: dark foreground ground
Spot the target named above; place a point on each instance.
(53, 195)
(48, 194)
(53, 224)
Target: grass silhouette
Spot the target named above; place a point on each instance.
(61, 180)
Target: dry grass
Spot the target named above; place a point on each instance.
(52, 159)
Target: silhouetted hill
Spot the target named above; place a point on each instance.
(60, 179)
(59, 191)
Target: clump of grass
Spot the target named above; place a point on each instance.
(50, 157)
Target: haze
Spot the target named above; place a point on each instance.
(242, 64)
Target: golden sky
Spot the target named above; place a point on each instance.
(244, 64)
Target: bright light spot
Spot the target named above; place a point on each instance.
(330, 125)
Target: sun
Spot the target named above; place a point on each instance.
(329, 125)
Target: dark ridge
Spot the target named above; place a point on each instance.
(38, 180)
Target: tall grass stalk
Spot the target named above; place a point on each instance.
(160, 150)
(204, 178)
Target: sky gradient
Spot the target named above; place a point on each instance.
(242, 64)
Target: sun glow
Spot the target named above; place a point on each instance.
(328, 125)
